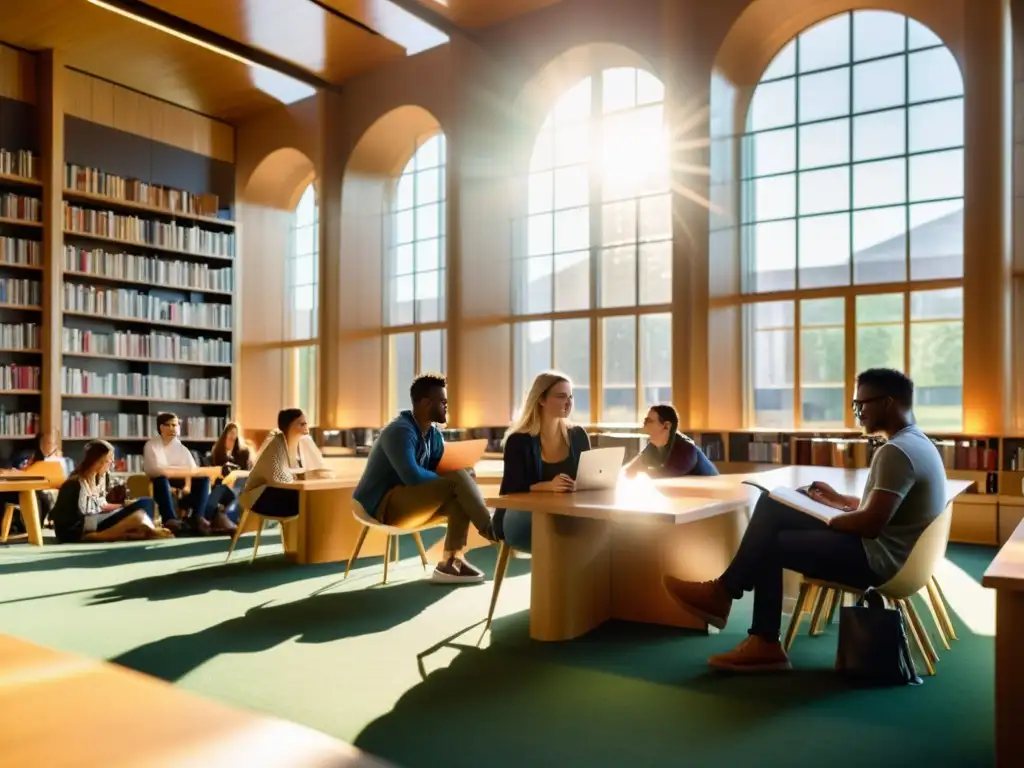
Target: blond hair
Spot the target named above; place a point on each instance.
(528, 420)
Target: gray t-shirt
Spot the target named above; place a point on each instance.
(908, 465)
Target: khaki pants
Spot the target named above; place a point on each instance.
(455, 497)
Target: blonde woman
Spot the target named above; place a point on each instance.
(541, 452)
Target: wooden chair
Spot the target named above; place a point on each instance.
(392, 533)
(5, 523)
(915, 575)
(500, 569)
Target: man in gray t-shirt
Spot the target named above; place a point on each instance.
(864, 546)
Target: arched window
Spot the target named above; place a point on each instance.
(852, 236)
(593, 279)
(302, 308)
(415, 274)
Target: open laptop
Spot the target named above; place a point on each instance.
(599, 468)
(461, 454)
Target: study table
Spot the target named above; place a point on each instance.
(25, 485)
(66, 710)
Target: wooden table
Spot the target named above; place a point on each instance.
(1006, 576)
(26, 486)
(70, 711)
(600, 555)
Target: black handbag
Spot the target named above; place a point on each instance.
(873, 647)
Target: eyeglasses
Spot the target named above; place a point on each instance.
(858, 405)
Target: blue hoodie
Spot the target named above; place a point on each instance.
(402, 455)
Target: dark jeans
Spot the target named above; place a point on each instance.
(145, 504)
(277, 502)
(517, 529)
(781, 537)
(196, 499)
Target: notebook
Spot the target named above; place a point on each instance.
(797, 498)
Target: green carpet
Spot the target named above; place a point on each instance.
(382, 667)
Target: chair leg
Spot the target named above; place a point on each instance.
(919, 626)
(837, 603)
(396, 547)
(238, 532)
(355, 552)
(387, 556)
(256, 542)
(821, 609)
(5, 524)
(939, 627)
(938, 601)
(798, 612)
(504, 554)
(419, 545)
(912, 630)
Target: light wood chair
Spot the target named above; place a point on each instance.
(500, 569)
(392, 533)
(916, 575)
(260, 521)
(5, 524)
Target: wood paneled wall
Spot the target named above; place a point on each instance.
(17, 74)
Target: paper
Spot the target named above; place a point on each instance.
(796, 499)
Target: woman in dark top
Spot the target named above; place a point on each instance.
(230, 453)
(668, 452)
(542, 451)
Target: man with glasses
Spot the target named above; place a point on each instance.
(864, 546)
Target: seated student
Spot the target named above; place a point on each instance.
(668, 452)
(168, 463)
(400, 485)
(230, 453)
(82, 509)
(287, 451)
(541, 453)
(864, 546)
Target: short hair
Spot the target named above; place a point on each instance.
(165, 418)
(667, 413)
(424, 383)
(890, 383)
(287, 417)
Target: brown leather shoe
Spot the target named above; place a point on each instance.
(755, 654)
(707, 600)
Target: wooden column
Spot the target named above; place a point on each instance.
(331, 171)
(52, 91)
(987, 69)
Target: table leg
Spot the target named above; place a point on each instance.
(571, 582)
(327, 531)
(30, 517)
(1009, 676)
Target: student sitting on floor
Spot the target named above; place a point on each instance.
(863, 547)
(168, 463)
(286, 452)
(668, 452)
(541, 453)
(400, 485)
(83, 512)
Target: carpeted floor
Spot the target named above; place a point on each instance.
(386, 668)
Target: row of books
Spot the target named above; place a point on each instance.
(972, 455)
(20, 377)
(20, 207)
(18, 423)
(154, 345)
(162, 234)
(96, 182)
(20, 336)
(130, 463)
(102, 425)
(18, 163)
(146, 269)
(20, 290)
(1014, 457)
(20, 252)
(81, 382)
(119, 302)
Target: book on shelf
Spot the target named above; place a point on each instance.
(797, 498)
(121, 303)
(92, 181)
(20, 290)
(20, 162)
(20, 377)
(134, 267)
(19, 252)
(21, 207)
(20, 336)
(190, 240)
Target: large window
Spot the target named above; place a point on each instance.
(852, 221)
(593, 275)
(302, 307)
(415, 272)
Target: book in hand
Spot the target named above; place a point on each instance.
(797, 498)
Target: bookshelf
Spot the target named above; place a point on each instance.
(21, 272)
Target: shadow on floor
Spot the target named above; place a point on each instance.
(52, 556)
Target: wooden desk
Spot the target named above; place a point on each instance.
(26, 486)
(600, 555)
(73, 711)
(1006, 576)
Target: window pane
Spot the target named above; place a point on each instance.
(879, 84)
(934, 74)
(404, 227)
(826, 44)
(574, 105)
(572, 281)
(771, 152)
(880, 245)
(428, 220)
(655, 360)
(619, 222)
(572, 144)
(784, 63)
(773, 106)
(634, 154)
(540, 192)
(773, 197)
(572, 230)
(824, 251)
(429, 153)
(878, 33)
(572, 186)
(936, 358)
(649, 89)
(305, 211)
(532, 344)
(937, 240)
(771, 352)
(401, 369)
(428, 254)
(937, 175)
(770, 250)
(572, 357)
(401, 301)
(428, 186)
(619, 353)
(405, 194)
(937, 126)
(537, 293)
(432, 351)
(656, 273)
(304, 270)
(305, 240)
(880, 183)
(618, 277)
(879, 135)
(824, 191)
(302, 378)
(403, 264)
(428, 287)
(920, 36)
(822, 362)
(825, 143)
(540, 234)
(618, 88)
(880, 331)
(656, 217)
(826, 94)
(543, 156)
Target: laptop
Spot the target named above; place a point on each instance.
(461, 454)
(599, 468)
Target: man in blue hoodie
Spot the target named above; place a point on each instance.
(400, 485)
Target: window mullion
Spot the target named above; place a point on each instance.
(596, 125)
